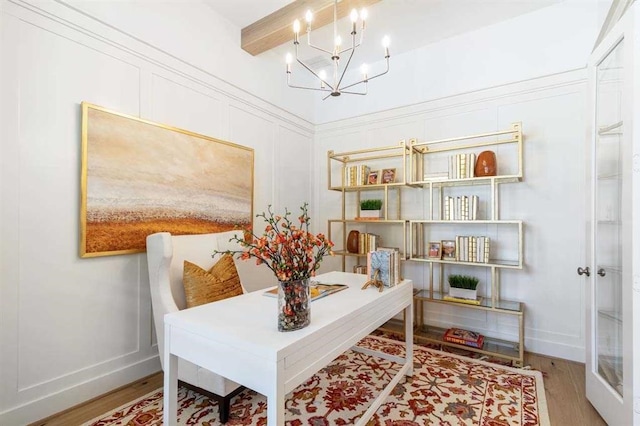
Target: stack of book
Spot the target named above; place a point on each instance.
(460, 208)
(450, 298)
(368, 242)
(355, 175)
(461, 166)
(473, 249)
(464, 337)
(385, 262)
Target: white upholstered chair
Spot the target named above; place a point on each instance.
(165, 256)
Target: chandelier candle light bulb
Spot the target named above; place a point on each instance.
(354, 21)
(336, 86)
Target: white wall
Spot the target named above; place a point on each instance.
(550, 40)
(73, 328)
(550, 200)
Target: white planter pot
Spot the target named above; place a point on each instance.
(370, 213)
(462, 293)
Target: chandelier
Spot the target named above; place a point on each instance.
(334, 86)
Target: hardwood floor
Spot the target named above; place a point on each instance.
(563, 380)
(564, 385)
(97, 406)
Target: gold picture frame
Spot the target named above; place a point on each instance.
(139, 177)
(448, 250)
(388, 176)
(434, 250)
(373, 177)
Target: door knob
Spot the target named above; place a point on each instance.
(602, 272)
(586, 271)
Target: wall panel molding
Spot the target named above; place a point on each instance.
(73, 23)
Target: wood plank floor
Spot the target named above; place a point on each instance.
(563, 380)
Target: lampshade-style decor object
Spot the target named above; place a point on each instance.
(486, 164)
(334, 85)
(352, 241)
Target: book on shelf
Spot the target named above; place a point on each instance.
(316, 290)
(473, 249)
(368, 242)
(475, 301)
(355, 175)
(380, 265)
(395, 264)
(464, 337)
(461, 166)
(460, 208)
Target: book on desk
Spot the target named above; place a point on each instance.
(316, 290)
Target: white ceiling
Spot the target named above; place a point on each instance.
(409, 23)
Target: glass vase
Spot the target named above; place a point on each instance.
(294, 309)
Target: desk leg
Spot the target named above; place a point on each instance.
(408, 337)
(275, 398)
(170, 410)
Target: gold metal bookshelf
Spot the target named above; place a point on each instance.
(411, 161)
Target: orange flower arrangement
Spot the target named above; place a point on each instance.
(291, 252)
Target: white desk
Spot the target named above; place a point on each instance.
(238, 338)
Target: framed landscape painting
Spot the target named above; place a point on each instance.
(140, 177)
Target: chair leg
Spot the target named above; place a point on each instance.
(224, 402)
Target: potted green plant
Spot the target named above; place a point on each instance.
(370, 208)
(463, 286)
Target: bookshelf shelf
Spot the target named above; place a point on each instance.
(493, 263)
(486, 304)
(373, 187)
(369, 222)
(346, 253)
(468, 181)
(498, 348)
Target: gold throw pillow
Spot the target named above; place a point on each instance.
(220, 282)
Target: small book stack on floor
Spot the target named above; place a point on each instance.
(464, 337)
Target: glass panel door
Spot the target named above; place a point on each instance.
(608, 225)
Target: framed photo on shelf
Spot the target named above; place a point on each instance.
(373, 177)
(435, 250)
(448, 250)
(388, 175)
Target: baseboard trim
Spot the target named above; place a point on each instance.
(55, 403)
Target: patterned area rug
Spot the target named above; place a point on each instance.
(446, 389)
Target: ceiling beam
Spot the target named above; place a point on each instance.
(277, 28)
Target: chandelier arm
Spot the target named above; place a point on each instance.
(382, 73)
(314, 73)
(353, 45)
(344, 70)
(367, 79)
(320, 49)
(309, 88)
(310, 70)
(348, 49)
(342, 90)
(353, 93)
